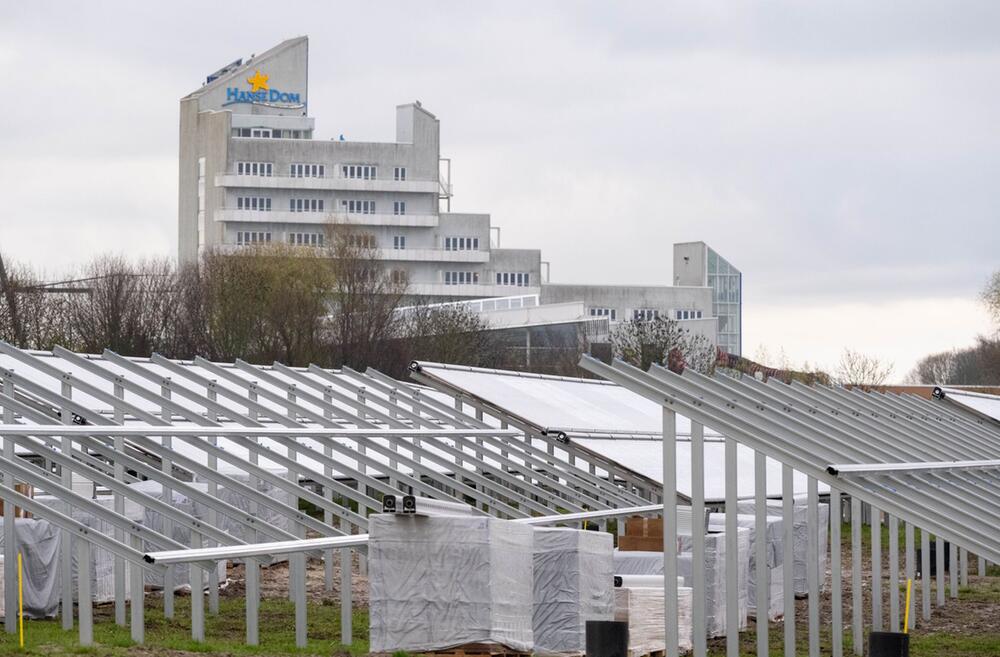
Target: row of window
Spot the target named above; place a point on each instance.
(306, 171)
(358, 207)
(305, 205)
(361, 171)
(258, 203)
(244, 237)
(263, 204)
(461, 277)
(518, 279)
(642, 314)
(610, 313)
(249, 237)
(688, 314)
(305, 239)
(303, 170)
(461, 244)
(254, 168)
(271, 133)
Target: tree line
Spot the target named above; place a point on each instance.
(333, 306)
(975, 365)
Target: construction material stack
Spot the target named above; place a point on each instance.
(573, 576)
(438, 583)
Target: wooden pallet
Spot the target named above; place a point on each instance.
(477, 650)
(655, 653)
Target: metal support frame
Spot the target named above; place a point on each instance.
(802, 428)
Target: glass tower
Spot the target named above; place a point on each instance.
(726, 282)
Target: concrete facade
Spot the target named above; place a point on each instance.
(251, 172)
(692, 306)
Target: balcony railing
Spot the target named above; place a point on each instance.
(335, 217)
(230, 179)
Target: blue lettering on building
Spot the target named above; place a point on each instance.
(234, 95)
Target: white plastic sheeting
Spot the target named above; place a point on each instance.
(773, 535)
(595, 407)
(642, 608)
(988, 405)
(102, 561)
(440, 582)
(651, 563)
(801, 533)
(645, 457)
(38, 542)
(573, 584)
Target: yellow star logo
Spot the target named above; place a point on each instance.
(258, 82)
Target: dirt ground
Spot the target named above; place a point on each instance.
(274, 583)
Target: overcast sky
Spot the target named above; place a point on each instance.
(846, 157)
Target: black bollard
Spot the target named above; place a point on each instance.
(888, 644)
(607, 639)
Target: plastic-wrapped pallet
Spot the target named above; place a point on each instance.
(715, 577)
(102, 561)
(651, 563)
(642, 609)
(444, 581)
(38, 541)
(774, 554)
(800, 531)
(638, 563)
(573, 584)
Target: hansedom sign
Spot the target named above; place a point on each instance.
(260, 92)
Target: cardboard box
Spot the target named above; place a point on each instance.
(640, 543)
(24, 489)
(642, 534)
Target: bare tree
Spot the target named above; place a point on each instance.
(129, 309)
(990, 296)
(934, 369)
(662, 340)
(862, 370)
(30, 317)
(364, 298)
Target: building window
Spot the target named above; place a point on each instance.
(461, 278)
(361, 171)
(260, 133)
(399, 242)
(305, 239)
(307, 171)
(254, 168)
(253, 203)
(515, 279)
(399, 207)
(398, 276)
(399, 173)
(250, 237)
(358, 207)
(362, 240)
(645, 314)
(305, 205)
(688, 314)
(610, 313)
(461, 244)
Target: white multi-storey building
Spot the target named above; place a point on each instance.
(251, 172)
